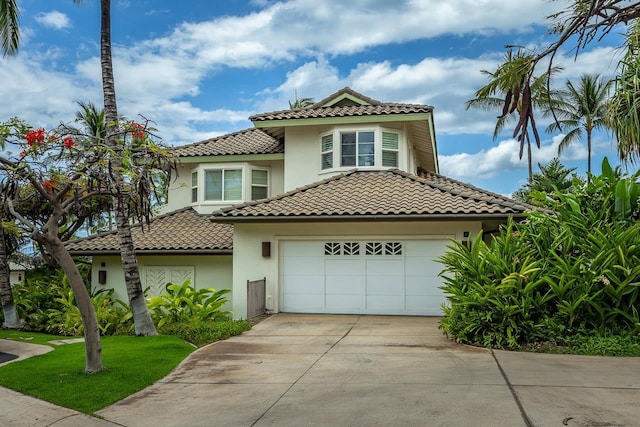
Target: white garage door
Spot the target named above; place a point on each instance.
(361, 277)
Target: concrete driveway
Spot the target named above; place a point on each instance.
(325, 370)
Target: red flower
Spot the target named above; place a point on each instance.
(69, 143)
(48, 185)
(35, 137)
(137, 130)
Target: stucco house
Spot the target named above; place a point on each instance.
(17, 273)
(339, 206)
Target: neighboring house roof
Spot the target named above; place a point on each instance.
(390, 194)
(183, 231)
(14, 266)
(248, 141)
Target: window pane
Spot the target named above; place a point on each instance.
(259, 177)
(213, 185)
(194, 195)
(327, 160)
(365, 137)
(348, 147)
(390, 159)
(233, 185)
(194, 179)
(327, 143)
(348, 160)
(259, 193)
(389, 140)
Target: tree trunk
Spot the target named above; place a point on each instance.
(92, 344)
(588, 156)
(141, 317)
(11, 318)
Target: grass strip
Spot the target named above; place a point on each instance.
(132, 363)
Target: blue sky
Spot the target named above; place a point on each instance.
(200, 68)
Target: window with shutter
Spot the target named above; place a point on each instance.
(389, 149)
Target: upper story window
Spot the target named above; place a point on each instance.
(357, 149)
(360, 148)
(223, 184)
(194, 187)
(390, 149)
(327, 151)
(259, 184)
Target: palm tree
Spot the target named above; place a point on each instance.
(141, 317)
(504, 93)
(9, 27)
(582, 108)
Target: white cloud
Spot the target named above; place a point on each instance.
(54, 19)
(503, 158)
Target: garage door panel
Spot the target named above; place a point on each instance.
(385, 304)
(419, 285)
(298, 284)
(343, 285)
(344, 267)
(422, 266)
(429, 305)
(344, 303)
(303, 265)
(304, 248)
(385, 285)
(388, 267)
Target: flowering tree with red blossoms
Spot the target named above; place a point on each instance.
(60, 175)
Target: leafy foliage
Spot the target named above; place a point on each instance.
(553, 177)
(577, 269)
(184, 304)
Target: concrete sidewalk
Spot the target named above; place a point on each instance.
(317, 370)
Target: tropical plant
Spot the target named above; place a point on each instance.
(184, 304)
(575, 269)
(508, 82)
(9, 26)
(552, 177)
(582, 108)
(581, 22)
(624, 105)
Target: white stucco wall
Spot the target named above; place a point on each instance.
(180, 188)
(248, 263)
(303, 158)
(211, 271)
(17, 277)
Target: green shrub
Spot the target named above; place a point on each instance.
(605, 345)
(114, 316)
(543, 280)
(184, 304)
(200, 333)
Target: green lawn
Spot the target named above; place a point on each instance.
(132, 363)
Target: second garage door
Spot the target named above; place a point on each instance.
(361, 277)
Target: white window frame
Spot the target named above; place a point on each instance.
(194, 186)
(379, 151)
(329, 152)
(222, 200)
(357, 133)
(251, 184)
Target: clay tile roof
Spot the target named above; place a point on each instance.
(389, 194)
(371, 107)
(248, 141)
(183, 231)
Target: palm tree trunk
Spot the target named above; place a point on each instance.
(11, 318)
(141, 317)
(588, 156)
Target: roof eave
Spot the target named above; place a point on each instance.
(93, 252)
(353, 218)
